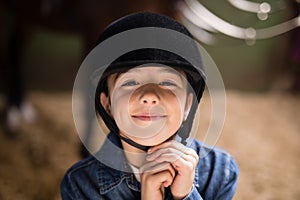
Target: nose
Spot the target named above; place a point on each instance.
(148, 99)
(149, 95)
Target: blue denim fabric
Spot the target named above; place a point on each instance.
(216, 176)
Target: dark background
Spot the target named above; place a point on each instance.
(54, 44)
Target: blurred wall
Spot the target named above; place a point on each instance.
(53, 54)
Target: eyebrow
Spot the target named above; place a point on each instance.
(173, 71)
(167, 70)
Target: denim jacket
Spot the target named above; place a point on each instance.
(215, 178)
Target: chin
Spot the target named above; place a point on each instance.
(153, 141)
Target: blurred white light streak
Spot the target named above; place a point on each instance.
(219, 24)
(278, 29)
(202, 18)
(192, 17)
(199, 33)
(250, 6)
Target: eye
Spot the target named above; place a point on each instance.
(167, 83)
(130, 83)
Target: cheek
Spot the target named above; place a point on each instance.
(178, 103)
(176, 107)
(119, 104)
(176, 113)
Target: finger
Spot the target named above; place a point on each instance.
(159, 155)
(158, 176)
(154, 167)
(148, 165)
(176, 145)
(162, 178)
(170, 143)
(178, 160)
(179, 163)
(192, 152)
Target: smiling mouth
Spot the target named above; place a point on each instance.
(149, 117)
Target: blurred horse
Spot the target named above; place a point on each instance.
(84, 17)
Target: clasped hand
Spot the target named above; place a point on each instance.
(168, 164)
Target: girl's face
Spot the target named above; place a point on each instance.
(148, 103)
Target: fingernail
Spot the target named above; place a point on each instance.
(149, 151)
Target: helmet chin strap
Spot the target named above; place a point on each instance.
(132, 143)
(139, 146)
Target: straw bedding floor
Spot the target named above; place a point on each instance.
(261, 131)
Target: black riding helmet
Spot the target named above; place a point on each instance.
(195, 74)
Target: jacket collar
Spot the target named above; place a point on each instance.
(113, 167)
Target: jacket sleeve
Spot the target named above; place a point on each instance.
(194, 195)
(227, 188)
(67, 190)
(229, 184)
(220, 183)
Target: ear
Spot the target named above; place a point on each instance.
(188, 105)
(104, 100)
